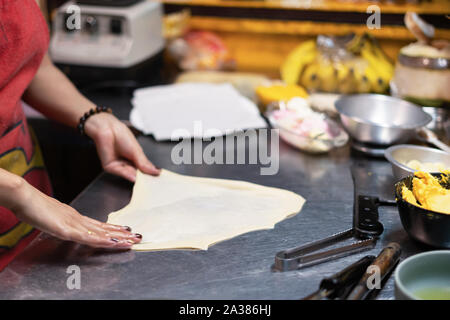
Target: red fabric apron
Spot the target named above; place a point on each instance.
(23, 43)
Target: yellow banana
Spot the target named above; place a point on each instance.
(367, 47)
(345, 78)
(310, 77)
(363, 84)
(357, 67)
(378, 83)
(302, 55)
(378, 68)
(378, 52)
(328, 77)
(382, 67)
(354, 45)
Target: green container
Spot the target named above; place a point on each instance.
(425, 276)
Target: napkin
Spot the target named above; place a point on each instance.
(193, 110)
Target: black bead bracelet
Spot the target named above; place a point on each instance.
(90, 113)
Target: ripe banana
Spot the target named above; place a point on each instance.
(345, 77)
(377, 62)
(302, 55)
(328, 77)
(378, 84)
(363, 84)
(369, 71)
(310, 77)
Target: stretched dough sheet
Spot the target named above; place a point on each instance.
(175, 211)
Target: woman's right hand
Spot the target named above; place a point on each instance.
(62, 221)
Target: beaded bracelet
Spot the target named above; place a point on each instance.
(91, 112)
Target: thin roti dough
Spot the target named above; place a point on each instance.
(175, 211)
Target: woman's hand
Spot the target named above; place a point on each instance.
(117, 147)
(52, 93)
(62, 221)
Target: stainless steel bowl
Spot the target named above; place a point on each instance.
(399, 155)
(380, 119)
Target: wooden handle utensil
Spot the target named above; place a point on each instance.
(385, 262)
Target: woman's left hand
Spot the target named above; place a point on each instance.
(118, 149)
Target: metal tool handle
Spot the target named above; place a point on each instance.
(365, 207)
(429, 136)
(385, 261)
(365, 217)
(341, 283)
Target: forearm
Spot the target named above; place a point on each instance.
(57, 219)
(54, 95)
(12, 190)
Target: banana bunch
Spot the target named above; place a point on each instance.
(380, 70)
(302, 55)
(367, 69)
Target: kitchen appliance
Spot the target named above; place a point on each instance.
(96, 40)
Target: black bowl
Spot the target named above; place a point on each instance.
(426, 226)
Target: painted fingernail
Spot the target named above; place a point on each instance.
(114, 240)
(138, 235)
(127, 228)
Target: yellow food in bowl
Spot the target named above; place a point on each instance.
(279, 92)
(428, 193)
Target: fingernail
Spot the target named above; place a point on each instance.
(138, 235)
(114, 240)
(127, 228)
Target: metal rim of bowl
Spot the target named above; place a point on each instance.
(428, 117)
(402, 264)
(389, 151)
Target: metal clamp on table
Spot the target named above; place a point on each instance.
(366, 230)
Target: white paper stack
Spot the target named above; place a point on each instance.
(193, 110)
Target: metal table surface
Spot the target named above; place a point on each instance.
(238, 268)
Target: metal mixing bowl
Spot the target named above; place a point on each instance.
(380, 119)
(401, 154)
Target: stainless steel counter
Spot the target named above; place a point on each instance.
(235, 269)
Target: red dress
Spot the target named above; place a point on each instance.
(23, 43)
